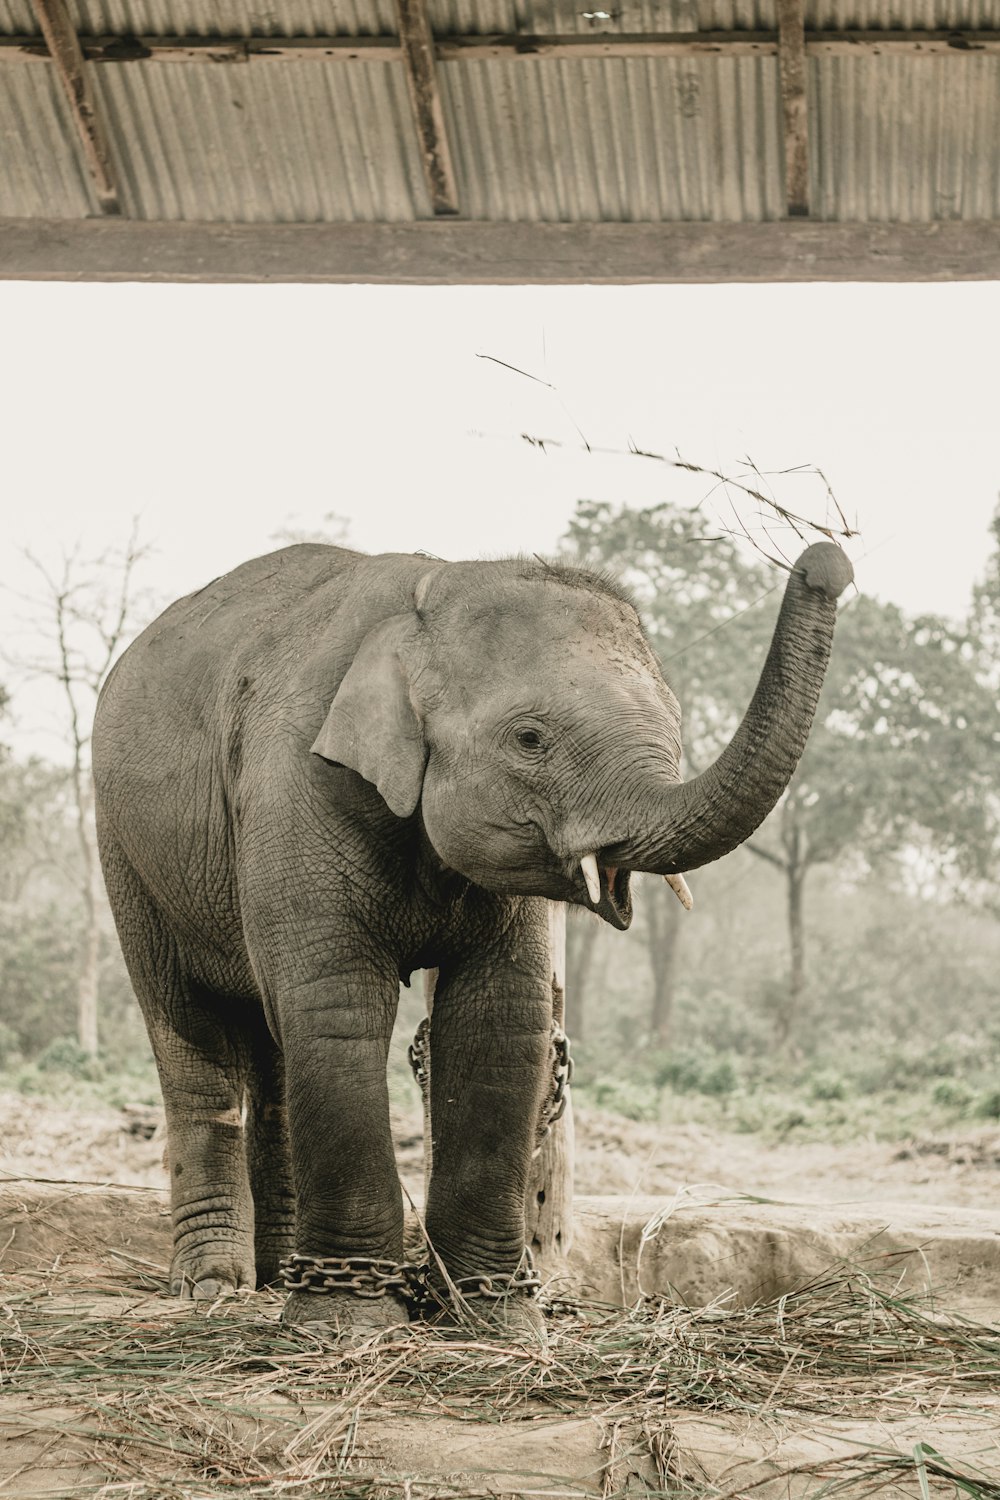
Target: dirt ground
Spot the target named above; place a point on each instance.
(606, 1409)
(614, 1156)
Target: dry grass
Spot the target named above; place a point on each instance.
(231, 1402)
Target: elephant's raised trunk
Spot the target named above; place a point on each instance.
(695, 822)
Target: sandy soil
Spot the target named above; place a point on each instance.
(82, 1268)
(614, 1156)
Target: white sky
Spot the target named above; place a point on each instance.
(221, 414)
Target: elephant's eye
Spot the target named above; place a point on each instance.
(529, 739)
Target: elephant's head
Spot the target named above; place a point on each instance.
(520, 707)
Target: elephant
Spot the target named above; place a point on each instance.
(326, 770)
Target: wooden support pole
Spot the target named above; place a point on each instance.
(65, 51)
(548, 1208)
(792, 66)
(425, 97)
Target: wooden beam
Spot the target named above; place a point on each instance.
(64, 49)
(425, 98)
(451, 252)
(107, 49)
(792, 65)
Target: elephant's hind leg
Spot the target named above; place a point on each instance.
(203, 1071)
(269, 1155)
(201, 1054)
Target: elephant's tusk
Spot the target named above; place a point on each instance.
(681, 890)
(588, 865)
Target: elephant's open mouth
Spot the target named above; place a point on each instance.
(615, 905)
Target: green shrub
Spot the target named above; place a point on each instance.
(988, 1105)
(65, 1055)
(827, 1085)
(952, 1093)
(10, 1049)
(689, 1072)
(624, 1096)
(719, 1079)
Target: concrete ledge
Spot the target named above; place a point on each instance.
(694, 1250)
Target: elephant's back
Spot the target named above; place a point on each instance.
(163, 713)
(181, 660)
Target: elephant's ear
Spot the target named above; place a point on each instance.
(373, 726)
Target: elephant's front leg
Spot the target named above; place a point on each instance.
(335, 1035)
(490, 1067)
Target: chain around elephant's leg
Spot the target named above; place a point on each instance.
(490, 1042)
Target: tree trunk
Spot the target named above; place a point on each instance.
(581, 946)
(663, 927)
(796, 876)
(548, 1205)
(87, 984)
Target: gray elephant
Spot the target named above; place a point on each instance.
(325, 770)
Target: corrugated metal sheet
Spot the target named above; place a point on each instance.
(617, 139)
(17, 18)
(231, 18)
(42, 172)
(906, 15)
(377, 17)
(283, 143)
(892, 138)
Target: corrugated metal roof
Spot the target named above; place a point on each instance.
(284, 143)
(42, 171)
(892, 142)
(616, 139)
(892, 138)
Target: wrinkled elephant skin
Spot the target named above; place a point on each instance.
(326, 770)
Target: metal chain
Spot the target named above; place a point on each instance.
(360, 1275)
(561, 1063)
(525, 1281)
(417, 1054)
(562, 1077)
(363, 1276)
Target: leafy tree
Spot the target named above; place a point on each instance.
(899, 764)
(901, 758)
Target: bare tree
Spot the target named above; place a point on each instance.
(82, 615)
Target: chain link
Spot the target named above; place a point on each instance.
(358, 1274)
(525, 1281)
(562, 1077)
(417, 1054)
(364, 1277)
(561, 1063)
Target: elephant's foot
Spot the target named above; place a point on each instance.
(518, 1319)
(209, 1272)
(342, 1318)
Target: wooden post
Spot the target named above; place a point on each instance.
(67, 55)
(417, 44)
(548, 1208)
(792, 69)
